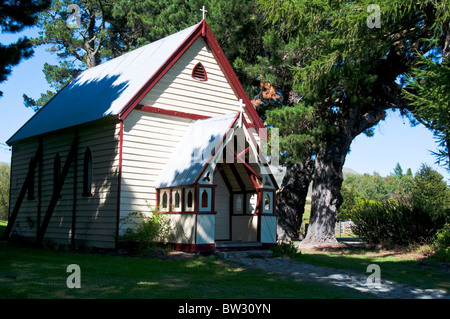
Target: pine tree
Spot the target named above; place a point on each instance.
(14, 17)
(350, 57)
(76, 32)
(430, 190)
(429, 92)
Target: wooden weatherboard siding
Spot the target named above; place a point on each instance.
(93, 218)
(178, 91)
(149, 140)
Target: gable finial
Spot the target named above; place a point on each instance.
(241, 111)
(204, 11)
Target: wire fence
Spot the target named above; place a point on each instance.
(342, 229)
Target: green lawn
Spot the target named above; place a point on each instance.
(2, 227)
(27, 272)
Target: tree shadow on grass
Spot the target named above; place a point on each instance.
(395, 265)
(27, 272)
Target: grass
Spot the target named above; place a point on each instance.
(3, 224)
(27, 272)
(396, 265)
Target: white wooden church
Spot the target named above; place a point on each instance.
(156, 125)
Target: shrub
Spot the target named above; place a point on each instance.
(146, 230)
(285, 250)
(396, 222)
(443, 237)
(442, 245)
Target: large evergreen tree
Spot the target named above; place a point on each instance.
(429, 92)
(351, 55)
(14, 17)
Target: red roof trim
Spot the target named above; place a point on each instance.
(231, 76)
(202, 30)
(161, 72)
(158, 110)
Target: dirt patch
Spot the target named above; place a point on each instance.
(172, 255)
(368, 250)
(339, 247)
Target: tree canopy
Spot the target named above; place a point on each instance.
(14, 17)
(427, 187)
(349, 58)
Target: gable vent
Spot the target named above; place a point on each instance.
(199, 73)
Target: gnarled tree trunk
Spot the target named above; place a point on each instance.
(326, 197)
(328, 176)
(291, 199)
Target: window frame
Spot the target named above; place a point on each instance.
(87, 173)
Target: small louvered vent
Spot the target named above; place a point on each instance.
(199, 73)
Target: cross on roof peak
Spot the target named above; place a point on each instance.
(241, 112)
(204, 12)
(241, 105)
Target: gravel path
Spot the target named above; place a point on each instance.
(342, 278)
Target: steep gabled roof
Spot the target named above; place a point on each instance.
(115, 88)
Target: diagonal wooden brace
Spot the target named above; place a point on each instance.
(57, 191)
(31, 171)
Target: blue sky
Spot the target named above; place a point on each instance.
(394, 141)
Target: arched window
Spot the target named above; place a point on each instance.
(164, 200)
(238, 204)
(199, 73)
(267, 202)
(189, 199)
(87, 173)
(205, 199)
(56, 173)
(177, 200)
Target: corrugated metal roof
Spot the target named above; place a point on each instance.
(194, 151)
(103, 90)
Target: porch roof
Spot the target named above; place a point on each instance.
(195, 150)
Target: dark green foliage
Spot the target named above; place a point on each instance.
(144, 231)
(285, 250)
(57, 76)
(347, 72)
(399, 209)
(427, 187)
(428, 90)
(430, 189)
(442, 245)
(14, 17)
(443, 238)
(397, 222)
